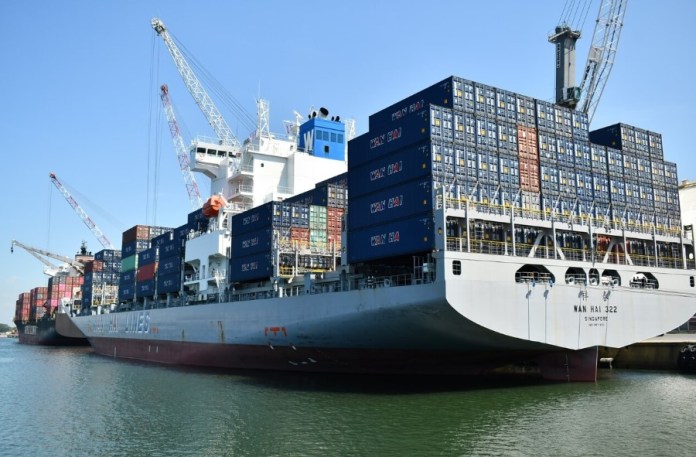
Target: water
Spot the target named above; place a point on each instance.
(71, 402)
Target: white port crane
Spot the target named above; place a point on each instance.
(80, 212)
(181, 153)
(600, 60)
(50, 269)
(203, 100)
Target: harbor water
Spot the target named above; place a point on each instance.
(71, 402)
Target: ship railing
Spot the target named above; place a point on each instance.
(488, 247)
(547, 214)
(533, 277)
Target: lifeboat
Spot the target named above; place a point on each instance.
(211, 208)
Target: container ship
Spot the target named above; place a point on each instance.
(470, 230)
(37, 311)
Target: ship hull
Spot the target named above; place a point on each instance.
(43, 333)
(393, 330)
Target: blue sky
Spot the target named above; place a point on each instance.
(79, 90)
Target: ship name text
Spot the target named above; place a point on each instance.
(388, 170)
(390, 203)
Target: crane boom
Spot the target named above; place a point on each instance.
(50, 269)
(85, 218)
(203, 100)
(181, 153)
(600, 60)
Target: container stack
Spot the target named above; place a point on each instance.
(146, 271)
(252, 237)
(100, 287)
(135, 240)
(63, 287)
(171, 260)
(496, 147)
(22, 307)
(636, 163)
(37, 303)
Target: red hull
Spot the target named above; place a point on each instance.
(582, 366)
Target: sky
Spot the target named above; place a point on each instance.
(79, 91)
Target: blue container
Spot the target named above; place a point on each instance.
(548, 148)
(615, 162)
(127, 277)
(107, 255)
(171, 248)
(255, 218)
(196, 216)
(567, 181)
(391, 170)
(169, 283)
(168, 266)
(145, 288)
(442, 93)
(299, 215)
(383, 140)
(414, 197)
(181, 232)
(253, 267)
(134, 247)
(566, 152)
(406, 236)
(148, 256)
(161, 239)
(484, 100)
(252, 243)
(126, 292)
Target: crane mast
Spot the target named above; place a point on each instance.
(50, 269)
(203, 100)
(605, 41)
(184, 164)
(85, 218)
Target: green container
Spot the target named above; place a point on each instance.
(129, 263)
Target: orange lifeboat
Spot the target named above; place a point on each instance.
(211, 208)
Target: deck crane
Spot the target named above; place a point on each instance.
(181, 153)
(203, 100)
(600, 60)
(51, 269)
(85, 218)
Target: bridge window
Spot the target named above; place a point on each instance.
(691, 281)
(457, 269)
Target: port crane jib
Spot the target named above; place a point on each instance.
(50, 269)
(80, 212)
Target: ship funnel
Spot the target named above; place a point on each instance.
(323, 113)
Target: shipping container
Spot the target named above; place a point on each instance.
(146, 272)
(565, 150)
(145, 288)
(434, 122)
(507, 137)
(134, 247)
(137, 232)
(671, 178)
(260, 240)
(527, 141)
(388, 205)
(464, 128)
(161, 239)
(484, 100)
(585, 185)
(108, 254)
(253, 267)
(148, 256)
(655, 146)
(129, 263)
(401, 166)
(466, 160)
(182, 231)
(126, 292)
(506, 106)
(405, 236)
(545, 117)
(548, 145)
(169, 265)
(583, 156)
(171, 248)
(443, 93)
(268, 214)
(169, 283)
(526, 112)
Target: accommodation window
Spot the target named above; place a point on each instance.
(456, 267)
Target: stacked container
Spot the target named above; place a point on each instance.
(101, 281)
(63, 287)
(134, 241)
(146, 271)
(650, 186)
(22, 307)
(171, 260)
(38, 298)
